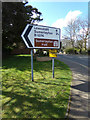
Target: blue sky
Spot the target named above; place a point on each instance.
(54, 11)
(59, 14)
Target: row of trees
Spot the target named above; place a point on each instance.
(76, 34)
(15, 16)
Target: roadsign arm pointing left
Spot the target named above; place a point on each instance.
(25, 35)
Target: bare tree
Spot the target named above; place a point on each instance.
(84, 32)
(76, 33)
(71, 32)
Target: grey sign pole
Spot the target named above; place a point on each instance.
(32, 64)
(53, 67)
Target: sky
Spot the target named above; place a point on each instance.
(58, 14)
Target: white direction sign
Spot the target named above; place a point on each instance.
(37, 36)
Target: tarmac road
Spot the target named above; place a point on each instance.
(78, 105)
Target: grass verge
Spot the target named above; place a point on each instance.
(44, 98)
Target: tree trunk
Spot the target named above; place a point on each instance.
(85, 44)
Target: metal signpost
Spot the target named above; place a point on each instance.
(44, 37)
(53, 67)
(53, 54)
(32, 63)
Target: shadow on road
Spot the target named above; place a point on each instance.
(79, 89)
(82, 87)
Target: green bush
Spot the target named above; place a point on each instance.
(71, 51)
(83, 51)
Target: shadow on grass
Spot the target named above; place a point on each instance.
(24, 63)
(41, 105)
(26, 99)
(54, 82)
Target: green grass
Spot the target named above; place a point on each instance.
(44, 98)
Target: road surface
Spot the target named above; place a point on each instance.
(78, 108)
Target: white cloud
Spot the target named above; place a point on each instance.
(63, 22)
(59, 23)
(72, 15)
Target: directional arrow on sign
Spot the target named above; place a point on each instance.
(26, 36)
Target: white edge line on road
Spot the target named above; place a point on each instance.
(78, 63)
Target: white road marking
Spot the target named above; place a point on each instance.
(78, 63)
